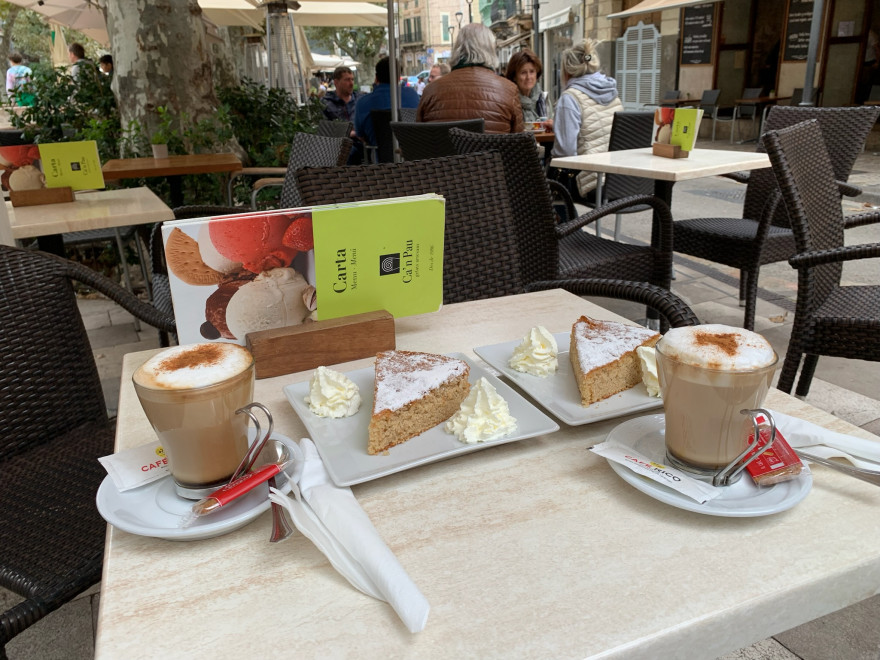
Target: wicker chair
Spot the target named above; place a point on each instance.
(830, 319)
(551, 251)
(307, 150)
(481, 258)
(334, 129)
(55, 427)
(762, 236)
(430, 139)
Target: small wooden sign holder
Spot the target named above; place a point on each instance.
(298, 348)
(41, 196)
(669, 151)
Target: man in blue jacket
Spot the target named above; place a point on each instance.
(380, 99)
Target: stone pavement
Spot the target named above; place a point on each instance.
(849, 389)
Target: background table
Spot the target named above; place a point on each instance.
(530, 549)
(172, 168)
(762, 103)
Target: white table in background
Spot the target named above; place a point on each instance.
(530, 549)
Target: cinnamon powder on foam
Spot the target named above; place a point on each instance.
(209, 355)
(726, 343)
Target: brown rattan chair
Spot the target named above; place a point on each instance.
(551, 251)
(763, 235)
(420, 140)
(307, 150)
(830, 319)
(481, 256)
(55, 427)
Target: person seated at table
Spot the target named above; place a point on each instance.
(379, 99)
(105, 63)
(339, 105)
(585, 110)
(437, 72)
(523, 70)
(472, 89)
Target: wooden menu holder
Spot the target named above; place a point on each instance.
(669, 151)
(300, 347)
(41, 196)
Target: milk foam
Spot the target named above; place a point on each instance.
(193, 366)
(716, 346)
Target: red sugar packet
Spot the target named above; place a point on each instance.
(777, 464)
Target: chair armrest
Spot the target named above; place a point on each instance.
(656, 203)
(131, 303)
(739, 177)
(848, 189)
(861, 219)
(675, 310)
(835, 255)
(558, 189)
(263, 183)
(260, 171)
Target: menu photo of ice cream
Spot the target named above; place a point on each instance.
(232, 275)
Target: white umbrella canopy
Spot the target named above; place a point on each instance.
(337, 13)
(59, 46)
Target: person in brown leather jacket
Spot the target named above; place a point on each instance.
(473, 89)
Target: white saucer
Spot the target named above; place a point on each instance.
(741, 500)
(156, 510)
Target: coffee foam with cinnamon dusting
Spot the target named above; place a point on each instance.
(716, 346)
(194, 365)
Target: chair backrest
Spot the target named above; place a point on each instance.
(670, 95)
(430, 139)
(709, 101)
(749, 110)
(407, 114)
(311, 151)
(337, 129)
(382, 130)
(629, 130)
(49, 382)
(528, 194)
(844, 132)
(797, 96)
(805, 176)
(480, 257)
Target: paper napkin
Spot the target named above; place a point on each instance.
(803, 434)
(333, 520)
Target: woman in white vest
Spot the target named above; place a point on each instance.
(585, 110)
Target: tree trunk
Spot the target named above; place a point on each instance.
(6, 32)
(161, 58)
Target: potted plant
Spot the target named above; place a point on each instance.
(165, 132)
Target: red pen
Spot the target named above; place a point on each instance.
(226, 494)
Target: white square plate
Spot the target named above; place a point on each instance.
(559, 393)
(342, 443)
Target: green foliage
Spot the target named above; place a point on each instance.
(265, 120)
(363, 44)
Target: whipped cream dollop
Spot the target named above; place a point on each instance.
(536, 354)
(482, 416)
(332, 394)
(648, 362)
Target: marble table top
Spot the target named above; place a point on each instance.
(99, 209)
(530, 549)
(642, 162)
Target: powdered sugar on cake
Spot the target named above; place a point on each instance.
(414, 375)
(599, 343)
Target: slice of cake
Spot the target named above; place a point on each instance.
(413, 392)
(603, 355)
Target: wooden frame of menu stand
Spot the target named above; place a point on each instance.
(320, 343)
(41, 196)
(669, 151)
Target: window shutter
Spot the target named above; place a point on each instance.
(638, 66)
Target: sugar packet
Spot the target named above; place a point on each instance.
(135, 467)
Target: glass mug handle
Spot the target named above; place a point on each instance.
(730, 471)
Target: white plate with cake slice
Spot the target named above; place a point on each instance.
(559, 394)
(342, 442)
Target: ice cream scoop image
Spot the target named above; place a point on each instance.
(273, 299)
(27, 177)
(210, 256)
(255, 241)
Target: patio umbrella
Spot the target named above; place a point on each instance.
(59, 46)
(338, 13)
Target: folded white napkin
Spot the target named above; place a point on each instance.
(803, 434)
(333, 520)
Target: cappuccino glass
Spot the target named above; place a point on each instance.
(190, 395)
(711, 376)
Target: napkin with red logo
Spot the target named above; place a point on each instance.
(333, 520)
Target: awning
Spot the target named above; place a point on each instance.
(647, 6)
(342, 14)
(515, 39)
(561, 17)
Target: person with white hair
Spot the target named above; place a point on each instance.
(585, 110)
(472, 89)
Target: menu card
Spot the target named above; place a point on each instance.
(677, 127)
(72, 164)
(236, 274)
